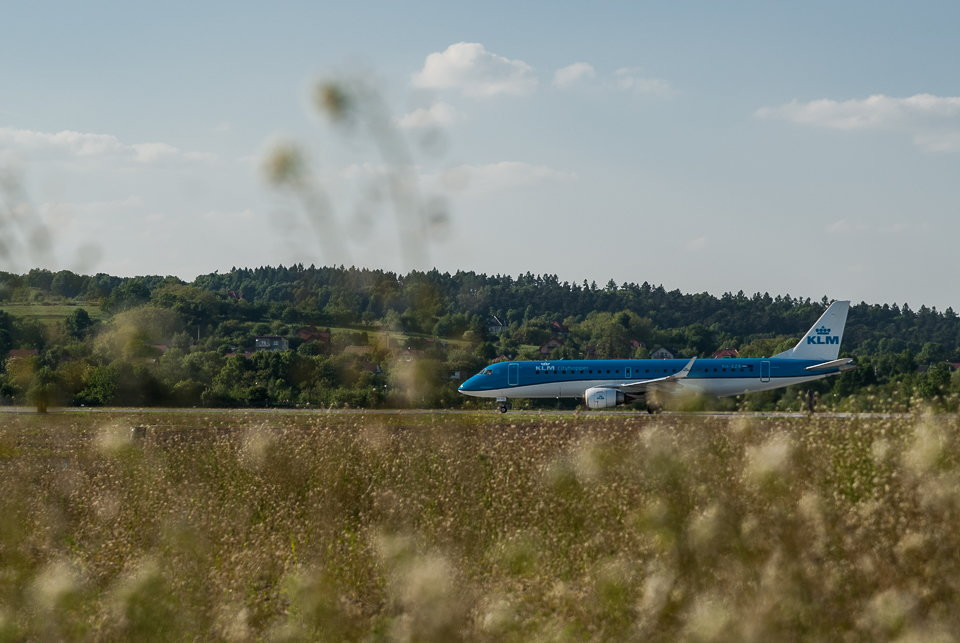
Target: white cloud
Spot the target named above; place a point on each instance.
(573, 74)
(85, 208)
(944, 141)
(625, 79)
(228, 216)
(469, 68)
(932, 121)
(363, 171)
(697, 244)
(439, 114)
(488, 177)
(842, 226)
(497, 177)
(150, 152)
(846, 227)
(631, 79)
(89, 145)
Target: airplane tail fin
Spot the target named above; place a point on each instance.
(822, 341)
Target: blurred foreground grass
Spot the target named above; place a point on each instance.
(435, 527)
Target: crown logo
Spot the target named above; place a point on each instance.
(823, 330)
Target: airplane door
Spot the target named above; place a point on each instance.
(513, 374)
(764, 371)
(626, 372)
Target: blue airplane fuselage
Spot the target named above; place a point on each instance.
(572, 378)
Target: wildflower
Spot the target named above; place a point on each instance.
(887, 611)
(112, 439)
(926, 448)
(586, 462)
(769, 460)
(257, 443)
(497, 616)
(704, 527)
(709, 619)
(55, 583)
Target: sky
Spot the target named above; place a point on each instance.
(806, 148)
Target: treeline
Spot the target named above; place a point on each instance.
(361, 337)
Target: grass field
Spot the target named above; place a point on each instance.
(290, 526)
(48, 314)
(388, 337)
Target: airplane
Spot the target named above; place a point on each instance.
(607, 383)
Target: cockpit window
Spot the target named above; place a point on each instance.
(486, 371)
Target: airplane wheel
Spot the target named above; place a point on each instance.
(502, 408)
(654, 409)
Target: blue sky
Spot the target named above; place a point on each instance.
(794, 148)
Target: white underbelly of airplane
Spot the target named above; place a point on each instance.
(726, 386)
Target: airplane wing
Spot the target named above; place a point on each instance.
(834, 363)
(660, 383)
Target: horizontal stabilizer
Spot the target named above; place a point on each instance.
(834, 363)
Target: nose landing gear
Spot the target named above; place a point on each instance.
(502, 405)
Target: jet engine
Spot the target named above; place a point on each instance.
(603, 398)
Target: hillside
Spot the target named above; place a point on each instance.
(364, 337)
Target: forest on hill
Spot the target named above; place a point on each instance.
(334, 336)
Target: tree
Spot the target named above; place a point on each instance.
(930, 353)
(39, 278)
(77, 323)
(66, 284)
(6, 334)
(934, 381)
(129, 294)
(101, 387)
(43, 390)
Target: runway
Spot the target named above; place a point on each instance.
(580, 413)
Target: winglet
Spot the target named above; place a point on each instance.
(683, 372)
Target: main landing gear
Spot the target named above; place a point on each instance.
(502, 405)
(653, 407)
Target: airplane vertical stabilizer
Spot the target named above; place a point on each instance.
(822, 341)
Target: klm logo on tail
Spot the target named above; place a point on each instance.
(823, 336)
(822, 341)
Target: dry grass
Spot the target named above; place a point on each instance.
(435, 527)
